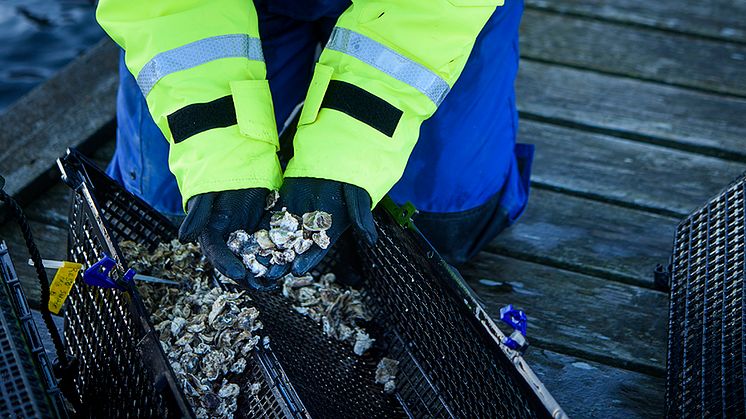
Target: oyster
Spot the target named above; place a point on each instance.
(282, 257)
(284, 220)
(386, 374)
(242, 242)
(272, 197)
(317, 221)
(262, 238)
(302, 244)
(256, 268)
(321, 239)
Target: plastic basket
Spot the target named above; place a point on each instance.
(705, 367)
(28, 388)
(452, 362)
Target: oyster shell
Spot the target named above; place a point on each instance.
(386, 371)
(256, 268)
(317, 221)
(272, 197)
(284, 220)
(262, 238)
(321, 239)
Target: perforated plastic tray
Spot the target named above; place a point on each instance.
(28, 388)
(452, 361)
(706, 342)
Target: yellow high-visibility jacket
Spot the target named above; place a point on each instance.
(386, 68)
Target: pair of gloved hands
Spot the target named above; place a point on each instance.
(211, 217)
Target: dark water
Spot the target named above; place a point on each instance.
(38, 37)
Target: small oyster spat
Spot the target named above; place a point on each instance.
(272, 198)
(317, 221)
(208, 334)
(289, 235)
(283, 220)
(256, 268)
(337, 308)
(321, 239)
(241, 242)
(386, 374)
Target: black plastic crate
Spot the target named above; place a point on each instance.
(28, 388)
(706, 342)
(452, 361)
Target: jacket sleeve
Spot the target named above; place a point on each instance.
(199, 64)
(386, 68)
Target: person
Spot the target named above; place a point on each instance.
(410, 98)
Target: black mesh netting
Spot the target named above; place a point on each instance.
(449, 366)
(706, 325)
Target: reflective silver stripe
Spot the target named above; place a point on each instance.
(196, 53)
(390, 62)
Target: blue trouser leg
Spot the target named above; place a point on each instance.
(140, 159)
(466, 174)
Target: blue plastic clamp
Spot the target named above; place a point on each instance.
(519, 322)
(98, 274)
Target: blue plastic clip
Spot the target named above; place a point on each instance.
(519, 322)
(98, 274)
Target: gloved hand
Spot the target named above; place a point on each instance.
(348, 204)
(212, 216)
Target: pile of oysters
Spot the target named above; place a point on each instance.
(207, 333)
(337, 308)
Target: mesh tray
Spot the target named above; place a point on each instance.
(28, 388)
(705, 367)
(451, 361)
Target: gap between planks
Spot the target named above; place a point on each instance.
(642, 54)
(715, 20)
(641, 111)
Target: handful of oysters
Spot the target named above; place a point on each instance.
(288, 236)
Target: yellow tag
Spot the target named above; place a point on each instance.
(61, 284)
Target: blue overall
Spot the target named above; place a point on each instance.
(466, 170)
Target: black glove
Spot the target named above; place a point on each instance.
(212, 216)
(348, 204)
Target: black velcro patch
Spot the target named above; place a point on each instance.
(199, 117)
(362, 105)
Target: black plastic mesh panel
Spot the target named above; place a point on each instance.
(706, 325)
(449, 366)
(120, 372)
(28, 388)
(466, 377)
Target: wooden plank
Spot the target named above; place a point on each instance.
(52, 243)
(606, 321)
(644, 111)
(631, 173)
(588, 389)
(73, 109)
(718, 19)
(52, 206)
(635, 52)
(589, 237)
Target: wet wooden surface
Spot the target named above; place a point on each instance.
(636, 109)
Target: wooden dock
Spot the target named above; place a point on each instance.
(637, 110)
